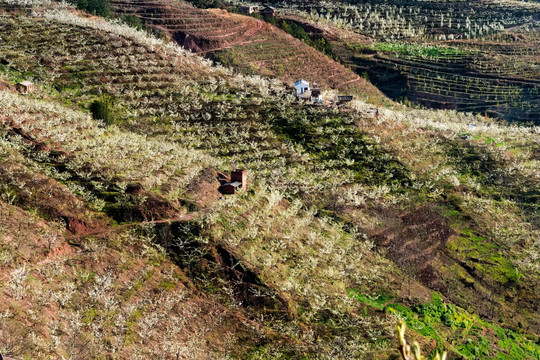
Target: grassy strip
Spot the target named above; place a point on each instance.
(466, 334)
(424, 51)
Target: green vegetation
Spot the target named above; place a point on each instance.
(319, 43)
(103, 109)
(378, 302)
(461, 332)
(133, 21)
(423, 51)
(96, 7)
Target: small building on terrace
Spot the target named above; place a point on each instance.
(301, 86)
(248, 10)
(25, 87)
(238, 182)
(316, 95)
(268, 11)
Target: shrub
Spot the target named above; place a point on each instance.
(133, 21)
(96, 7)
(103, 109)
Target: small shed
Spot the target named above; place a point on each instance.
(231, 188)
(239, 175)
(247, 9)
(301, 86)
(25, 87)
(238, 181)
(268, 11)
(316, 95)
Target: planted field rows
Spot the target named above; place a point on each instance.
(148, 88)
(440, 20)
(271, 55)
(179, 19)
(245, 42)
(337, 179)
(466, 82)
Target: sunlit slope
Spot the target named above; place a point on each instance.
(246, 43)
(475, 56)
(396, 206)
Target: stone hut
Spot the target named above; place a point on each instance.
(238, 181)
(25, 87)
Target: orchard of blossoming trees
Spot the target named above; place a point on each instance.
(115, 241)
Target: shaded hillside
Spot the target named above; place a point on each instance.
(249, 44)
(475, 56)
(353, 218)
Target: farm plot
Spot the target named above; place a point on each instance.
(332, 176)
(467, 82)
(484, 76)
(412, 19)
(275, 53)
(208, 29)
(156, 95)
(246, 43)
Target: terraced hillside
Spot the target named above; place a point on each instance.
(461, 75)
(416, 19)
(115, 240)
(496, 75)
(246, 43)
(470, 56)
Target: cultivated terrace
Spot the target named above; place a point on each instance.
(116, 243)
(474, 56)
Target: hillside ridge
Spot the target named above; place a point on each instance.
(354, 218)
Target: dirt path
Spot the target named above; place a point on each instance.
(185, 217)
(348, 82)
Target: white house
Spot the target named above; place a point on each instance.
(248, 9)
(301, 86)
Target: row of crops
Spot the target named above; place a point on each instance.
(406, 19)
(244, 42)
(305, 154)
(271, 55)
(471, 82)
(179, 17)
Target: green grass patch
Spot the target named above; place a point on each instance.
(376, 301)
(424, 51)
(464, 334)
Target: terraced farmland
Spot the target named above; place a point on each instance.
(196, 29)
(472, 83)
(497, 75)
(268, 54)
(339, 200)
(414, 19)
(479, 56)
(246, 43)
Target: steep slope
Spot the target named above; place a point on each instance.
(475, 56)
(246, 43)
(335, 202)
(73, 284)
